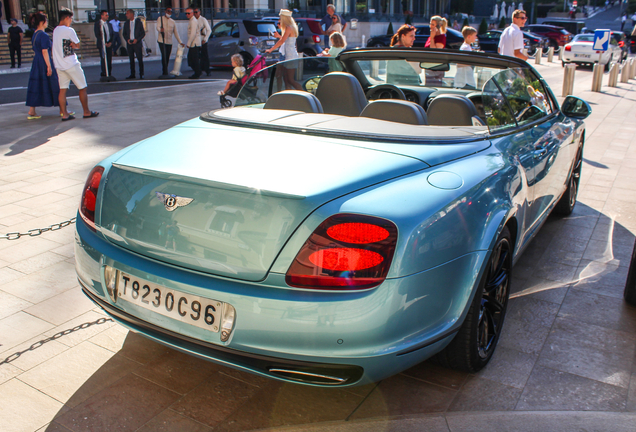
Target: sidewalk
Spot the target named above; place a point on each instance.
(566, 360)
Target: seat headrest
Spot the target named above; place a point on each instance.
(294, 100)
(398, 111)
(451, 110)
(341, 93)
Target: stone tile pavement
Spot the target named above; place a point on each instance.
(566, 360)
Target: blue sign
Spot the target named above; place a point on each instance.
(601, 40)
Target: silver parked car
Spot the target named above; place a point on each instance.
(246, 37)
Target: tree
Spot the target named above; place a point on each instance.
(465, 23)
(483, 27)
(409, 17)
(390, 31)
(502, 23)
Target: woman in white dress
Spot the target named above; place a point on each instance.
(288, 41)
(336, 25)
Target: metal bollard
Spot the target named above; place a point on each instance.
(537, 55)
(363, 44)
(612, 81)
(550, 54)
(568, 80)
(597, 77)
(625, 72)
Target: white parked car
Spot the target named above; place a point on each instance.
(581, 51)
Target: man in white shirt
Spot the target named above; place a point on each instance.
(194, 44)
(116, 39)
(511, 41)
(65, 41)
(166, 27)
(206, 31)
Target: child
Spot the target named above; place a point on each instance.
(237, 73)
(337, 42)
(464, 75)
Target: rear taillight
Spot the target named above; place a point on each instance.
(253, 40)
(346, 252)
(568, 48)
(89, 196)
(316, 39)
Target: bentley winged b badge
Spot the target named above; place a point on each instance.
(172, 201)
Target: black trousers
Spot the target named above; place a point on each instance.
(109, 59)
(116, 43)
(165, 50)
(13, 50)
(136, 50)
(194, 60)
(205, 58)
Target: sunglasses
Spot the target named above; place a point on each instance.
(188, 13)
(523, 18)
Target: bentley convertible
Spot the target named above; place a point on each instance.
(349, 218)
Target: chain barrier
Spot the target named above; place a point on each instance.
(39, 343)
(37, 231)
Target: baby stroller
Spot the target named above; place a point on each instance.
(256, 66)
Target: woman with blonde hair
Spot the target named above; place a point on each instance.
(288, 41)
(437, 39)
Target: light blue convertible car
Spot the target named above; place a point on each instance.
(348, 219)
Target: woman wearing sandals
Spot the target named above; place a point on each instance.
(288, 40)
(44, 88)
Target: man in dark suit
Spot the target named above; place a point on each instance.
(104, 35)
(133, 38)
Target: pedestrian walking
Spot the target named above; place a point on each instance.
(115, 24)
(43, 89)
(194, 44)
(511, 40)
(288, 40)
(206, 31)
(166, 27)
(336, 26)
(133, 35)
(104, 34)
(15, 36)
(65, 42)
(623, 20)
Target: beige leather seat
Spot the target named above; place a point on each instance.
(294, 100)
(453, 110)
(341, 93)
(398, 111)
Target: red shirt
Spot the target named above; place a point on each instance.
(440, 38)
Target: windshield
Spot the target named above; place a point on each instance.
(584, 38)
(259, 28)
(422, 74)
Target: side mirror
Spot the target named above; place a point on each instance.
(576, 108)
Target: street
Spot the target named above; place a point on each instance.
(13, 87)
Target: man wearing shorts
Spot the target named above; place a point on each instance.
(65, 41)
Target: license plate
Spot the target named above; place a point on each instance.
(187, 308)
(582, 55)
(271, 43)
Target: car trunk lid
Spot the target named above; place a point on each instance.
(225, 201)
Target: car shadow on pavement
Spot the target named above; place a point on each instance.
(568, 345)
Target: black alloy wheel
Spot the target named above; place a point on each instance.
(475, 342)
(566, 204)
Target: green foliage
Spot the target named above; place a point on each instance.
(502, 23)
(389, 30)
(408, 19)
(483, 27)
(293, 4)
(465, 23)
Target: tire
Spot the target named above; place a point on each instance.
(630, 285)
(566, 203)
(247, 59)
(475, 343)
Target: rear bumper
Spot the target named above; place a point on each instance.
(301, 371)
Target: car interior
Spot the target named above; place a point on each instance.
(379, 95)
